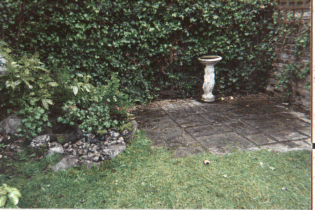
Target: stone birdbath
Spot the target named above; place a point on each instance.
(209, 61)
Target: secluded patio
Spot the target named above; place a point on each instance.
(193, 127)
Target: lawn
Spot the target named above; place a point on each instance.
(142, 177)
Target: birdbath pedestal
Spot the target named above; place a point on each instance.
(209, 61)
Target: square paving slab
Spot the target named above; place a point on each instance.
(180, 140)
(214, 108)
(243, 111)
(262, 120)
(223, 143)
(217, 118)
(294, 123)
(207, 130)
(190, 120)
(282, 132)
(305, 130)
(287, 135)
(195, 106)
(261, 139)
(242, 128)
(154, 121)
(287, 146)
(170, 106)
(275, 128)
(168, 133)
(182, 111)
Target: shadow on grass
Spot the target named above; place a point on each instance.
(144, 178)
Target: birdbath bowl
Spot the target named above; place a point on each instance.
(209, 61)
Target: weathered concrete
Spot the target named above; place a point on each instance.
(190, 127)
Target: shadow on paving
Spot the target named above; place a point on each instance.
(188, 126)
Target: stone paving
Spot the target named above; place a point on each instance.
(193, 127)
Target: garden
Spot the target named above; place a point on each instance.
(87, 64)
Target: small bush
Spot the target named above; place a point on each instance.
(95, 108)
(34, 121)
(26, 82)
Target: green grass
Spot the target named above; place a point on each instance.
(144, 178)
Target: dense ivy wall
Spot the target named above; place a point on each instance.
(153, 45)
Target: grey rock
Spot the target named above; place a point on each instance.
(125, 132)
(78, 144)
(90, 155)
(115, 134)
(40, 140)
(56, 147)
(80, 151)
(85, 151)
(105, 157)
(66, 145)
(69, 150)
(84, 157)
(66, 162)
(96, 158)
(10, 125)
(114, 150)
(92, 148)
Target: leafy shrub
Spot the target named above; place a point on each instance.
(9, 192)
(34, 121)
(63, 77)
(94, 107)
(26, 82)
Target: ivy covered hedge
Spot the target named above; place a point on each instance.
(152, 45)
